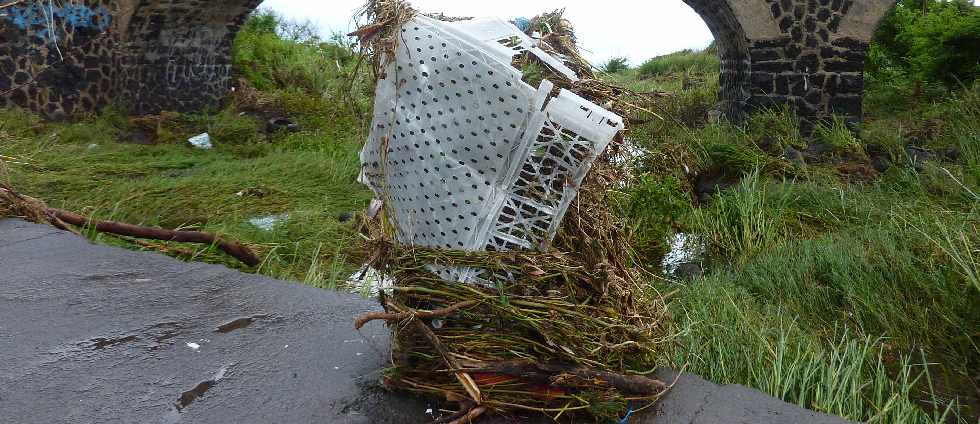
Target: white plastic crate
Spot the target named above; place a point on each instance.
(467, 155)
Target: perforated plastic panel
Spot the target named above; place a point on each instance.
(467, 155)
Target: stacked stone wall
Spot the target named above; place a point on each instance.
(810, 68)
(61, 59)
(808, 55)
(177, 53)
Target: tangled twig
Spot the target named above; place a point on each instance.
(439, 313)
(12, 4)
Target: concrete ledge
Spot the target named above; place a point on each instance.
(94, 334)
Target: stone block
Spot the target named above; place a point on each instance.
(843, 66)
(849, 105)
(774, 66)
(851, 84)
(763, 81)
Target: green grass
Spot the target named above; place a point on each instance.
(685, 61)
(177, 186)
(90, 167)
(849, 295)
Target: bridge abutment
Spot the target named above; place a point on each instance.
(148, 55)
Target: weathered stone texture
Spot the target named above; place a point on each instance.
(807, 54)
(33, 74)
(149, 55)
(176, 54)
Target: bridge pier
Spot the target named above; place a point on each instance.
(806, 54)
(149, 55)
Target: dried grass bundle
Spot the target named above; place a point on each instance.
(15, 205)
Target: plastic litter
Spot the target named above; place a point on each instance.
(684, 249)
(268, 223)
(468, 155)
(202, 141)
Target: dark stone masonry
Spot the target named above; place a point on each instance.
(150, 55)
(807, 54)
(154, 55)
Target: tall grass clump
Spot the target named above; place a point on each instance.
(961, 246)
(728, 336)
(744, 221)
(272, 53)
(839, 137)
(775, 129)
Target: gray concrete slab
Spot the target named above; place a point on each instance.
(94, 334)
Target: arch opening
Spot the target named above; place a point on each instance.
(733, 52)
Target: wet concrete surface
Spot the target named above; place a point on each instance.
(95, 334)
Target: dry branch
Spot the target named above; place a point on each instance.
(551, 373)
(12, 4)
(236, 250)
(13, 203)
(439, 313)
(470, 416)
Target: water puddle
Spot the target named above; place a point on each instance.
(369, 282)
(686, 252)
(239, 324)
(103, 343)
(188, 397)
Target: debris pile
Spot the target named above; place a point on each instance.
(493, 159)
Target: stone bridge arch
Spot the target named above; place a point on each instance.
(807, 54)
(158, 55)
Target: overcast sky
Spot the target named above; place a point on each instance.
(650, 28)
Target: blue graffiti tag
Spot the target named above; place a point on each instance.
(26, 16)
(76, 16)
(85, 17)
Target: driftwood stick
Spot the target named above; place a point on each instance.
(236, 250)
(464, 378)
(465, 406)
(16, 204)
(401, 316)
(471, 416)
(12, 4)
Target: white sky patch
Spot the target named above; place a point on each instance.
(649, 29)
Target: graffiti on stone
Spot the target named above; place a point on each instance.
(40, 19)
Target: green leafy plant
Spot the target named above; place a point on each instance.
(930, 40)
(616, 65)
